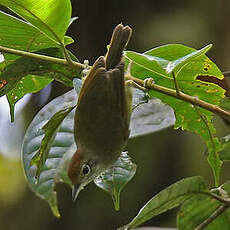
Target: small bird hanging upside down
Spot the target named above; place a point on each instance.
(102, 115)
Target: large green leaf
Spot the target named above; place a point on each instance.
(188, 117)
(51, 17)
(114, 179)
(54, 169)
(199, 208)
(17, 34)
(167, 199)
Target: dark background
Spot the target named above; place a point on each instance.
(162, 158)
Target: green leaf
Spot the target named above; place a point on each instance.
(51, 17)
(17, 34)
(167, 199)
(114, 179)
(21, 76)
(178, 64)
(187, 116)
(55, 168)
(50, 131)
(199, 208)
(29, 84)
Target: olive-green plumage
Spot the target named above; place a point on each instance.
(102, 115)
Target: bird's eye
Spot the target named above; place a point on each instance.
(86, 169)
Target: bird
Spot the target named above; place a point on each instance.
(102, 116)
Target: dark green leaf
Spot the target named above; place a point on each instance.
(51, 17)
(50, 131)
(199, 208)
(187, 116)
(21, 76)
(114, 179)
(25, 66)
(167, 199)
(55, 168)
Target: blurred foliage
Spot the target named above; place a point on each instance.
(12, 181)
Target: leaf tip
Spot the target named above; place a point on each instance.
(208, 47)
(53, 205)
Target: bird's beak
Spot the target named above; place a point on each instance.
(76, 190)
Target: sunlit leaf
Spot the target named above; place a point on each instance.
(17, 34)
(178, 64)
(167, 199)
(114, 179)
(188, 117)
(51, 17)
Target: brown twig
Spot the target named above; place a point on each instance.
(184, 97)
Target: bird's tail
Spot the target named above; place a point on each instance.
(119, 40)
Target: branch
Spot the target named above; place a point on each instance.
(184, 97)
(214, 215)
(59, 61)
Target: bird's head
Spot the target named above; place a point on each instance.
(82, 170)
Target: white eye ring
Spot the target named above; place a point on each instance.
(86, 169)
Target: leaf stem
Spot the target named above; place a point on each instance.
(214, 215)
(67, 56)
(176, 83)
(184, 97)
(42, 57)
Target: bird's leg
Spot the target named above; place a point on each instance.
(129, 84)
